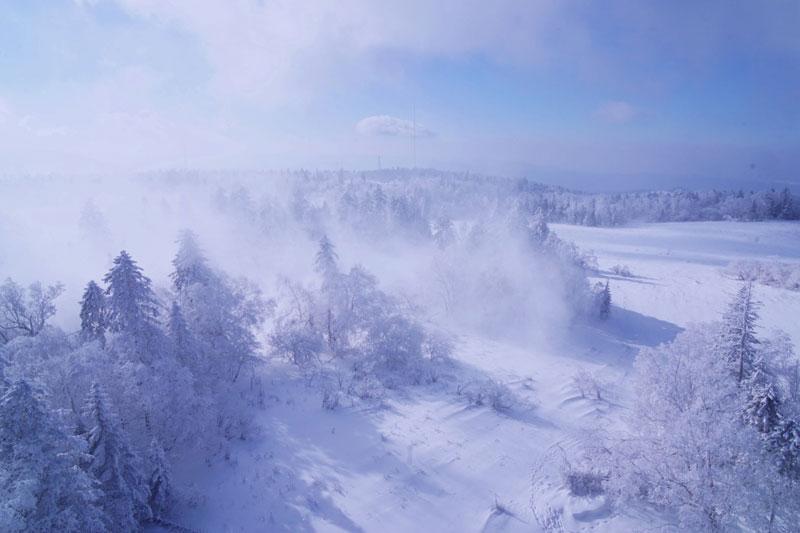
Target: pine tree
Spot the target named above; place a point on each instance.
(190, 263)
(42, 487)
(159, 486)
(93, 314)
(132, 305)
(605, 302)
(179, 334)
(114, 464)
(326, 259)
(739, 342)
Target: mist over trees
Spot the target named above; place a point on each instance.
(423, 203)
(133, 387)
(365, 281)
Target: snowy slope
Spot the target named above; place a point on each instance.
(425, 461)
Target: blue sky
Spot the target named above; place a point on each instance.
(620, 94)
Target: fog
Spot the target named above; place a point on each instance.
(69, 229)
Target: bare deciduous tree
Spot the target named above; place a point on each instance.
(25, 312)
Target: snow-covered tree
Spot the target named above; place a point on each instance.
(114, 464)
(182, 340)
(326, 260)
(783, 365)
(443, 233)
(738, 341)
(604, 302)
(298, 341)
(689, 449)
(784, 442)
(93, 314)
(761, 401)
(26, 312)
(42, 487)
(51, 361)
(190, 264)
(538, 231)
(222, 317)
(394, 351)
(158, 481)
(132, 305)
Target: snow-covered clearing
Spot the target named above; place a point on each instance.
(426, 461)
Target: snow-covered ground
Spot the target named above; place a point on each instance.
(425, 461)
(677, 267)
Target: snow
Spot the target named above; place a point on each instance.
(678, 267)
(426, 461)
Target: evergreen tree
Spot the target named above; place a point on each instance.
(605, 302)
(159, 486)
(190, 263)
(114, 464)
(132, 305)
(326, 259)
(739, 342)
(179, 334)
(93, 314)
(762, 404)
(42, 487)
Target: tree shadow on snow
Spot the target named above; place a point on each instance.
(617, 340)
(322, 454)
(638, 329)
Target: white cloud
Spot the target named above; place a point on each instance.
(617, 111)
(282, 49)
(386, 126)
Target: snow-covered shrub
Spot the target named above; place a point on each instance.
(331, 398)
(298, 342)
(772, 273)
(394, 351)
(585, 483)
(487, 393)
(589, 386)
(366, 387)
(622, 270)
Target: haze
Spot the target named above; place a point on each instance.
(595, 96)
